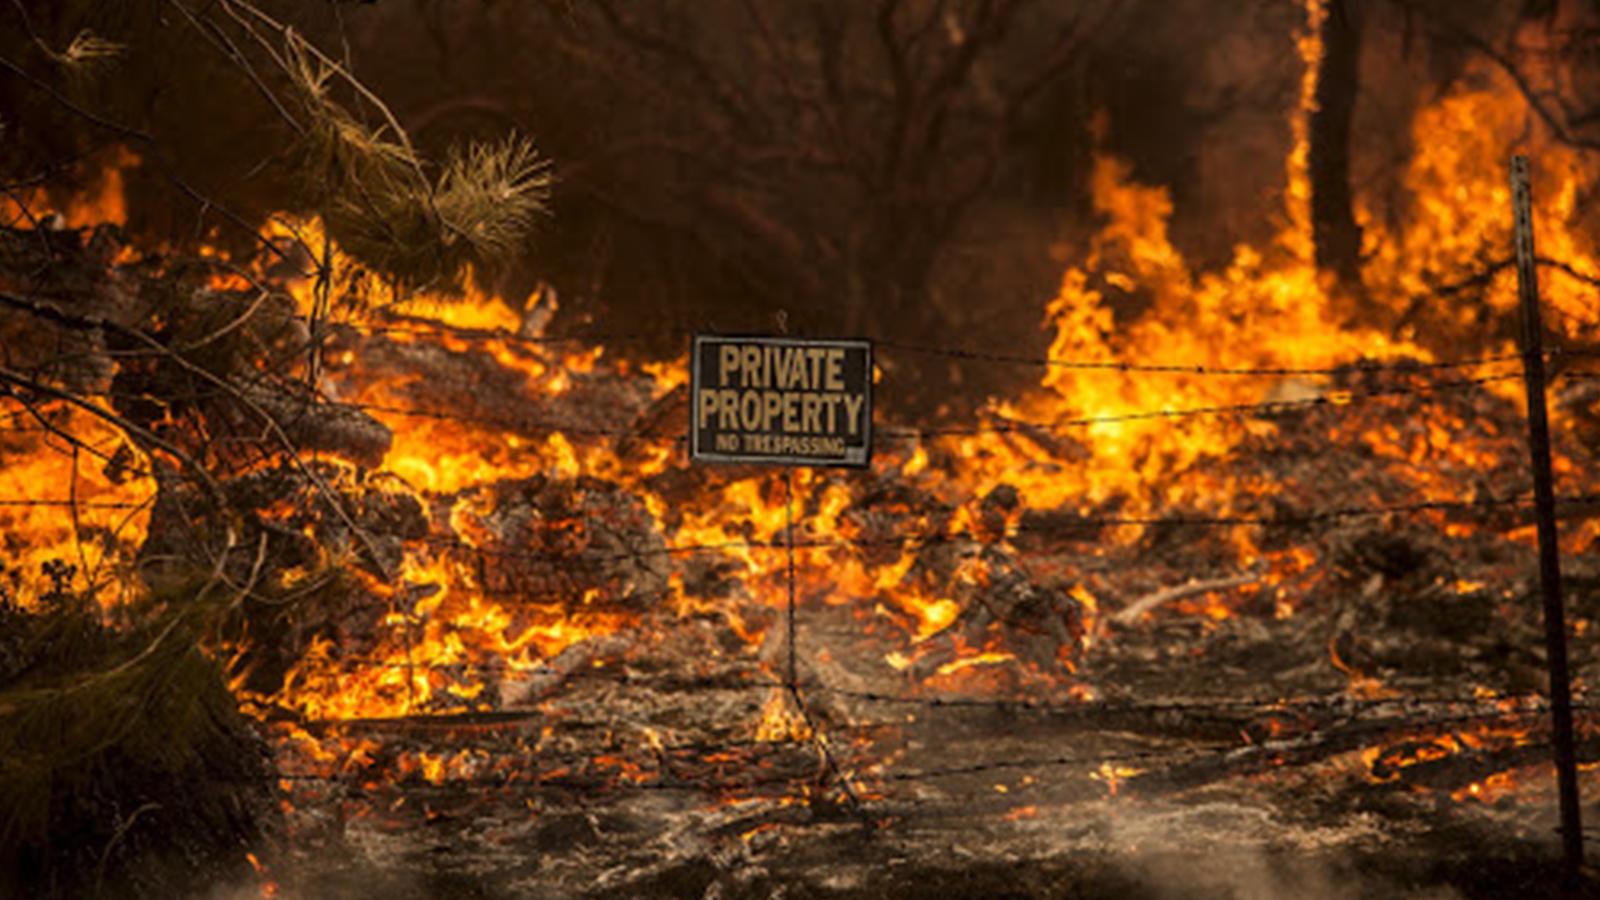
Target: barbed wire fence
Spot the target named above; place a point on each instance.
(1426, 382)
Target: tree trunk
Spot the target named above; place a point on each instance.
(1334, 232)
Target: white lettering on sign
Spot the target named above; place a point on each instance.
(780, 400)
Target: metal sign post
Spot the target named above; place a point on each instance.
(1555, 627)
(787, 402)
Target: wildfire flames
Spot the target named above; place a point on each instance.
(1143, 330)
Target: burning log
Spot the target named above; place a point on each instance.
(668, 415)
(1382, 728)
(581, 542)
(995, 593)
(508, 387)
(888, 510)
(325, 427)
(1447, 768)
(522, 689)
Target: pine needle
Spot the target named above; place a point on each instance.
(383, 208)
(87, 55)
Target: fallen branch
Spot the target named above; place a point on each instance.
(522, 689)
(1133, 611)
(1323, 744)
(1465, 767)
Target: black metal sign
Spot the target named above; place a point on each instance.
(781, 401)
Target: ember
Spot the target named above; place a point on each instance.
(376, 547)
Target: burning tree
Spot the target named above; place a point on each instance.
(192, 382)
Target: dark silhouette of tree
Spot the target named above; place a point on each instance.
(825, 153)
(1335, 234)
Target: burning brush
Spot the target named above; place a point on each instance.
(1248, 521)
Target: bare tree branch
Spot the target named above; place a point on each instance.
(1444, 25)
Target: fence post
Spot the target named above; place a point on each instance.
(1555, 628)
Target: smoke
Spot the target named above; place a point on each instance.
(1260, 875)
(238, 891)
(1231, 852)
(1212, 849)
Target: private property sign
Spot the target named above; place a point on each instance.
(782, 401)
